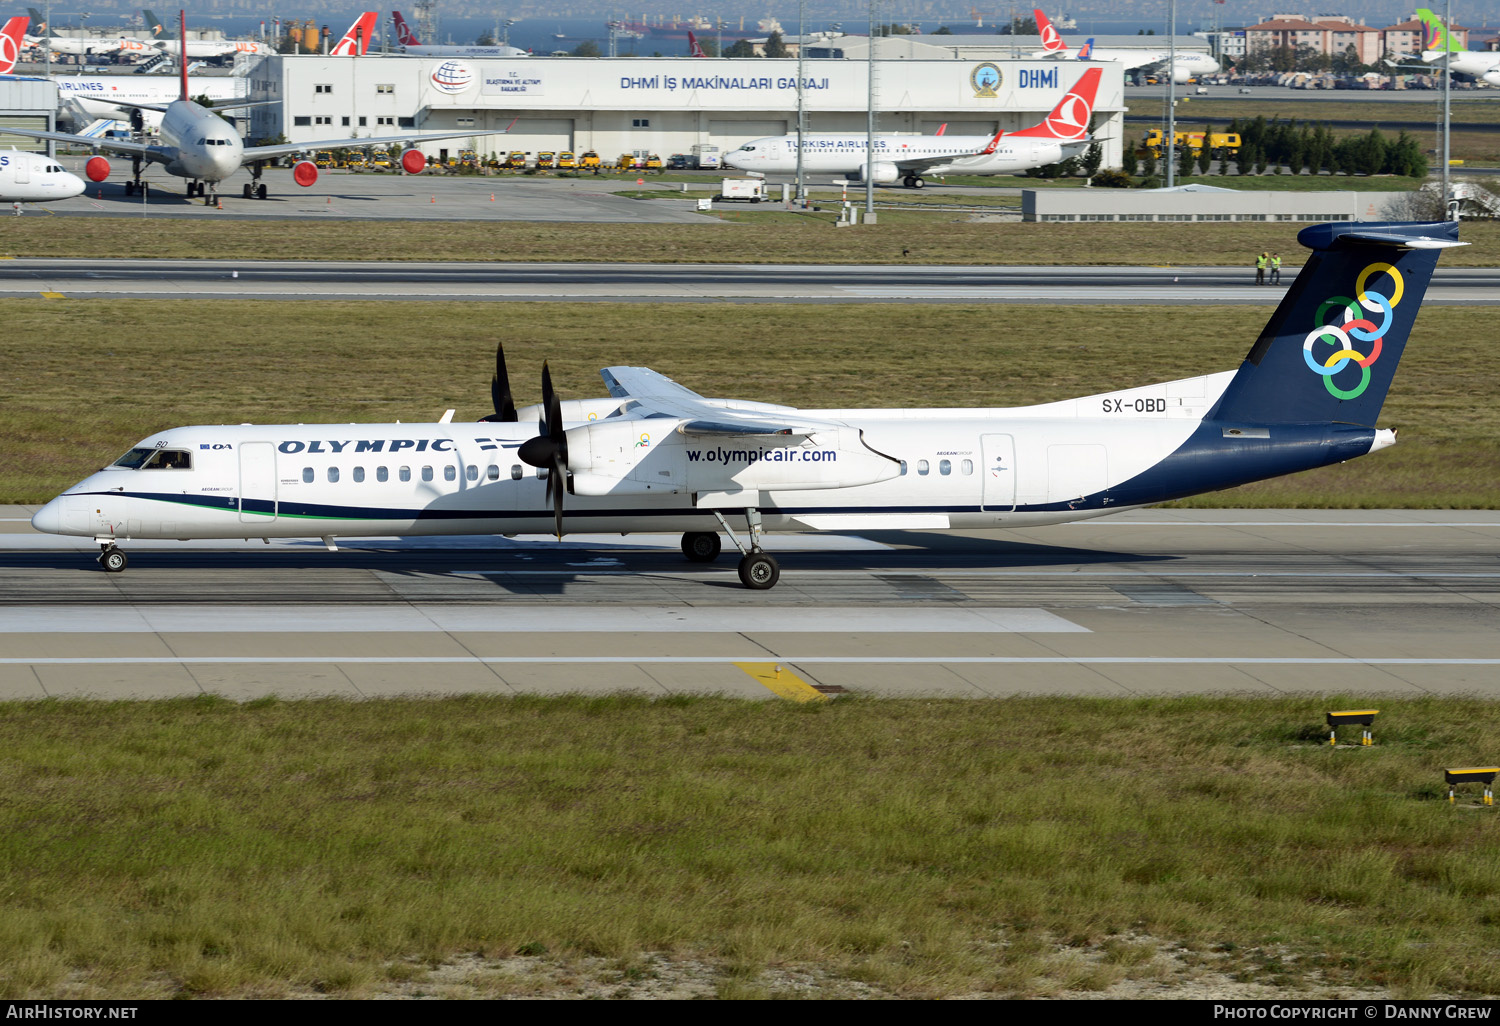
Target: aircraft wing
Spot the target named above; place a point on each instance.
(654, 394)
(134, 149)
(915, 164)
(282, 149)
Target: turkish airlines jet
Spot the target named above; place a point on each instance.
(410, 46)
(1185, 66)
(35, 178)
(1061, 134)
(12, 39)
(655, 456)
(198, 145)
(1438, 45)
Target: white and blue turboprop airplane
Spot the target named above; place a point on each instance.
(655, 456)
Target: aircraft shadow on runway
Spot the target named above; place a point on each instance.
(543, 570)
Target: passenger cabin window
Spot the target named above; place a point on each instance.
(450, 473)
(945, 467)
(903, 468)
(492, 473)
(472, 472)
(307, 475)
(426, 473)
(333, 475)
(968, 466)
(922, 468)
(170, 459)
(516, 472)
(359, 474)
(382, 474)
(406, 473)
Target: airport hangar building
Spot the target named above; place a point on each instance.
(662, 105)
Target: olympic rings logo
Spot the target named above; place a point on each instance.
(1356, 326)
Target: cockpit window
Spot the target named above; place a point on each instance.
(170, 459)
(134, 459)
(747, 149)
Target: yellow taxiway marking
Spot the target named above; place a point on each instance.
(53, 295)
(783, 682)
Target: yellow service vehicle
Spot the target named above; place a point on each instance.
(468, 158)
(626, 162)
(590, 160)
(653, 163)
(381, 160)
(546, 160)
(1220, 144)
(566, 161)
(515, 160)
(324, 158)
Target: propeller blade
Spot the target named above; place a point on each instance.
(555, 482)
(505, 406)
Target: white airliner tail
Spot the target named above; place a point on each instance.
(1052, 40)
(12, 36)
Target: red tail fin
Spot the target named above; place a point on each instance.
(182, 54)
(1052, 41)
(694, 50)
(11, 38)
(357, 40)
(404, 35)
(1069, 120)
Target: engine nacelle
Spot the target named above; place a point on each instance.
(97, 169)
(413, 162)
(1492, 76)
(304, 173)
(884, 173)
(1181, 75)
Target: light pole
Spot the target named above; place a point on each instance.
(1171, 93)
(801, 122)
(870, 123)
(1447, 88)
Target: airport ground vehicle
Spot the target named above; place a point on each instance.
(589, 161)
(752, 190)
(653, 163)
(357, 161)
(515, 160)
(381, 160)
(324, 159)
(566, 161)
(705, 156)
(1220, 144)
(546, 160)
(626, 162)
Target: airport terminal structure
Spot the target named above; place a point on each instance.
(660, 105)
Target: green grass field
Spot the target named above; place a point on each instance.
(66, 408)
(901, 237)
(910, 848)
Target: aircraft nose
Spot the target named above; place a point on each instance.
(48, 519)
(74, 187)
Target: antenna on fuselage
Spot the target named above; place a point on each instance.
(182, 56)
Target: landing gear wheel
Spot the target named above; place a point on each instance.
(249, 191)
(113, 561)
(260, 191)
(759, 571)
(701, 546)
(917, 183)
(130, 188)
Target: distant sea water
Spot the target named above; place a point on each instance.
(538, 34)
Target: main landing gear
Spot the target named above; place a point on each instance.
(914, 182)
(135, 185)
(111, 558)
(759, 570)
(255, 188)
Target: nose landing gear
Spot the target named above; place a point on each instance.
(758, 569)
(112, 559)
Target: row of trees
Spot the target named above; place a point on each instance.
(1304, 58)
(1277, 145)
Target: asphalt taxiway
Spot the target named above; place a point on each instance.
(1355, 603)
(574, 282)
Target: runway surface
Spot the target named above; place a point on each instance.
(1355, 603)
(245, 279)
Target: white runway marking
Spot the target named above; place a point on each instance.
(196, 619)
(705, 660)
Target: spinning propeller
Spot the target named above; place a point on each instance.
(549, 449)
(505, 407)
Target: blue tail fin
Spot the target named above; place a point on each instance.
(1330, 350)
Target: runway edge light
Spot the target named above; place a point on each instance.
(1344, 717)
(1473, 775)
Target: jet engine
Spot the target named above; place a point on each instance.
(304, 173)
(1492, 76)
(137, 120)
(1181, 75)
(884, 172)
(97, 169)
(414, 162)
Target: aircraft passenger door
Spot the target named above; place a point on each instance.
(999, 470)
(257, 482)
(23, 170)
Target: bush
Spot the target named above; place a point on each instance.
(1149, 182)
(1111, 179)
